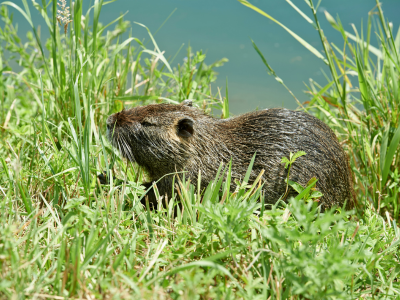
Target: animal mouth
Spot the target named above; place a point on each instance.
(119, 140)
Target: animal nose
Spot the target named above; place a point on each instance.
(110, 121)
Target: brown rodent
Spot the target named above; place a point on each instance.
(166, 138)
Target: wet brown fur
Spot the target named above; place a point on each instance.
(151, 135)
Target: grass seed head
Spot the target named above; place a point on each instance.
(63, 15)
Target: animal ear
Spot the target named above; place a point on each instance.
(187, 102)
(185, 127)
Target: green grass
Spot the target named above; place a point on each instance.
(62, 234)
(361, 102)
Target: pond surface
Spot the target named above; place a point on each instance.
(224, 28)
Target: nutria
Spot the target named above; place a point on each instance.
(166, 138)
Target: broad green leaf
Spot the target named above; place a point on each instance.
(297, 155)
(285, 161)
(296, 186)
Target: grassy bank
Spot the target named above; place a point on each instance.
(62, 234)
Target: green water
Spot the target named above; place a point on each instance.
(223, 28)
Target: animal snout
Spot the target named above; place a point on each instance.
(111, 121)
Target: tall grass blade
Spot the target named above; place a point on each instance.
(298, 38)
(390, 155)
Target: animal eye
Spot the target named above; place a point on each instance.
(147, 124)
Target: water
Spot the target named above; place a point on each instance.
(223, 28)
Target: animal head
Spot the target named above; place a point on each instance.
(155, 136)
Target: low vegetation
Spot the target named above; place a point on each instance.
(63, 235)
